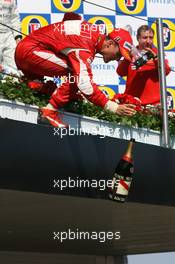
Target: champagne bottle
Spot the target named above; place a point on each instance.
(123, 175)
(140, 58)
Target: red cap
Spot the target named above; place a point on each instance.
(123, 38)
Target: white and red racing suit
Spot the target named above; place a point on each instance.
(64, 48)
(8, 16)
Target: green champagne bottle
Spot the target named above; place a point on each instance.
(123, 175)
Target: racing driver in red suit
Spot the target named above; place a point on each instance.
(67, 49)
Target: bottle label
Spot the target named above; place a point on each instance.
(122, 184)
(123, 187)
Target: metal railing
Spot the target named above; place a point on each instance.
(162, 78)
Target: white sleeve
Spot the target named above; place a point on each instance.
(15, 20)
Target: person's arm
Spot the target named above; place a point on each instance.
(167, 67)
(15, 23)
(80, 61)
(122, 68)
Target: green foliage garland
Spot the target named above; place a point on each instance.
(12, 90)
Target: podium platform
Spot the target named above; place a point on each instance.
(32, 157)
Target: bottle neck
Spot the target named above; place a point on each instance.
(128, 154)
(135, 53)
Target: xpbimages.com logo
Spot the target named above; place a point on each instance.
(100, 131)
(69, 183)
(78, 28)
(76, 234)
(74, 79)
